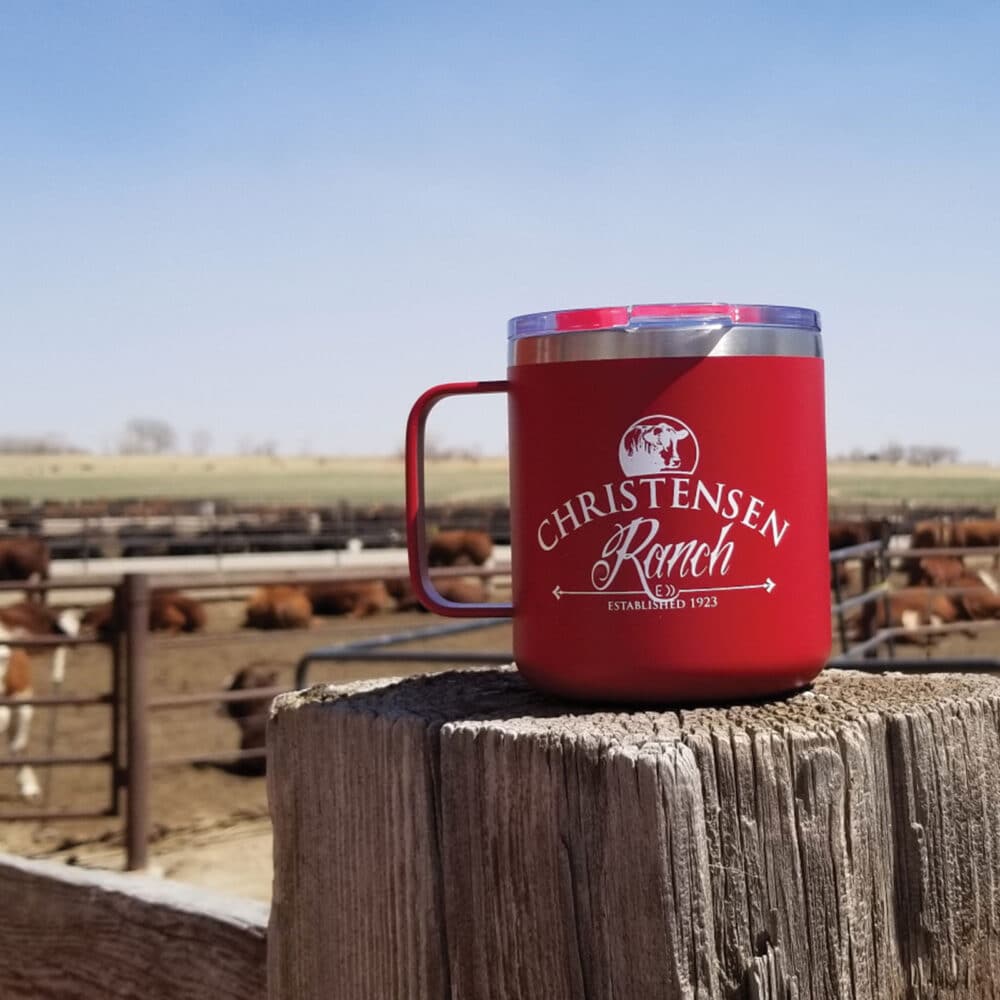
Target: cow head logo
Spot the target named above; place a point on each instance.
(657, 444)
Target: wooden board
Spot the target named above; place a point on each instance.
(70, 933)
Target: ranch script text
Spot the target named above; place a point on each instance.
(637, 543)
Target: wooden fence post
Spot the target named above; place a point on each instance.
(458, 835)
(136, 619)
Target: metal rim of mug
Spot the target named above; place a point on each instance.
(702, 340)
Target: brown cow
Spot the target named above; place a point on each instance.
(932, 534)
(938, 571)
(944, 532)
(251, 715)
(401, 591)
(24, 558)
(98, 619)
(169, 611)
(459, 548)
(172, 611)
(278, 607)
(846, 533)
(461, 590)
(909, 608)
(977, 601)
(977, 532)
(354, 598)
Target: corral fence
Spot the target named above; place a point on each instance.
(879, 560)
(129, 700)
(211, 529)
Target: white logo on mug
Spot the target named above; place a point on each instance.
(658, 444)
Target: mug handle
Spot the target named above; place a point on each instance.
(416, 528)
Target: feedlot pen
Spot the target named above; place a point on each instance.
(186, 802)
(209, 822)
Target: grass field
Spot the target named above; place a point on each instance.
(257, 479)
(322, 480)
(974, 484)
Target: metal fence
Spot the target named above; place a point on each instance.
(130, 702)
(879, 561)
(128, 696)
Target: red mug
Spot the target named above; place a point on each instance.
(668, 501)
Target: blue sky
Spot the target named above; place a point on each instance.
(281, 222)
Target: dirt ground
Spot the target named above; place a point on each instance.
(210, 826)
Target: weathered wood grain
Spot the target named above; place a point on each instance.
(88, 935)
(461, 837)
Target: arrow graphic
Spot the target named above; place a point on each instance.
(768, 585)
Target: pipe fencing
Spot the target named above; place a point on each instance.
(131, 703)
(889, 561)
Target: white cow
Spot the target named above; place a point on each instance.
(20, 621)
(15, 682)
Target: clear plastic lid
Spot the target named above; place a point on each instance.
(717, 315)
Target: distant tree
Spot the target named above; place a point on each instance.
(436, 450)
(932, 454)
(29, 444)
(250, 446)
(892, 452)
(201, 441)
(147, 436)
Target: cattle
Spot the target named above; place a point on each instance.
(24, 559)
(932, 534)
(32, 619)
(353, 598)
(459, 548)
(946, 533)
(461, 590)
(976, 601)
(846, 533)
(23, 621)
(278, 607)
(652, 447)
(172, 611)
(978, 533)
(15, 682)
(251, 715)
(909, 609)
(938, 571)
(401, 591)
(169, 611)
(99, 619)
